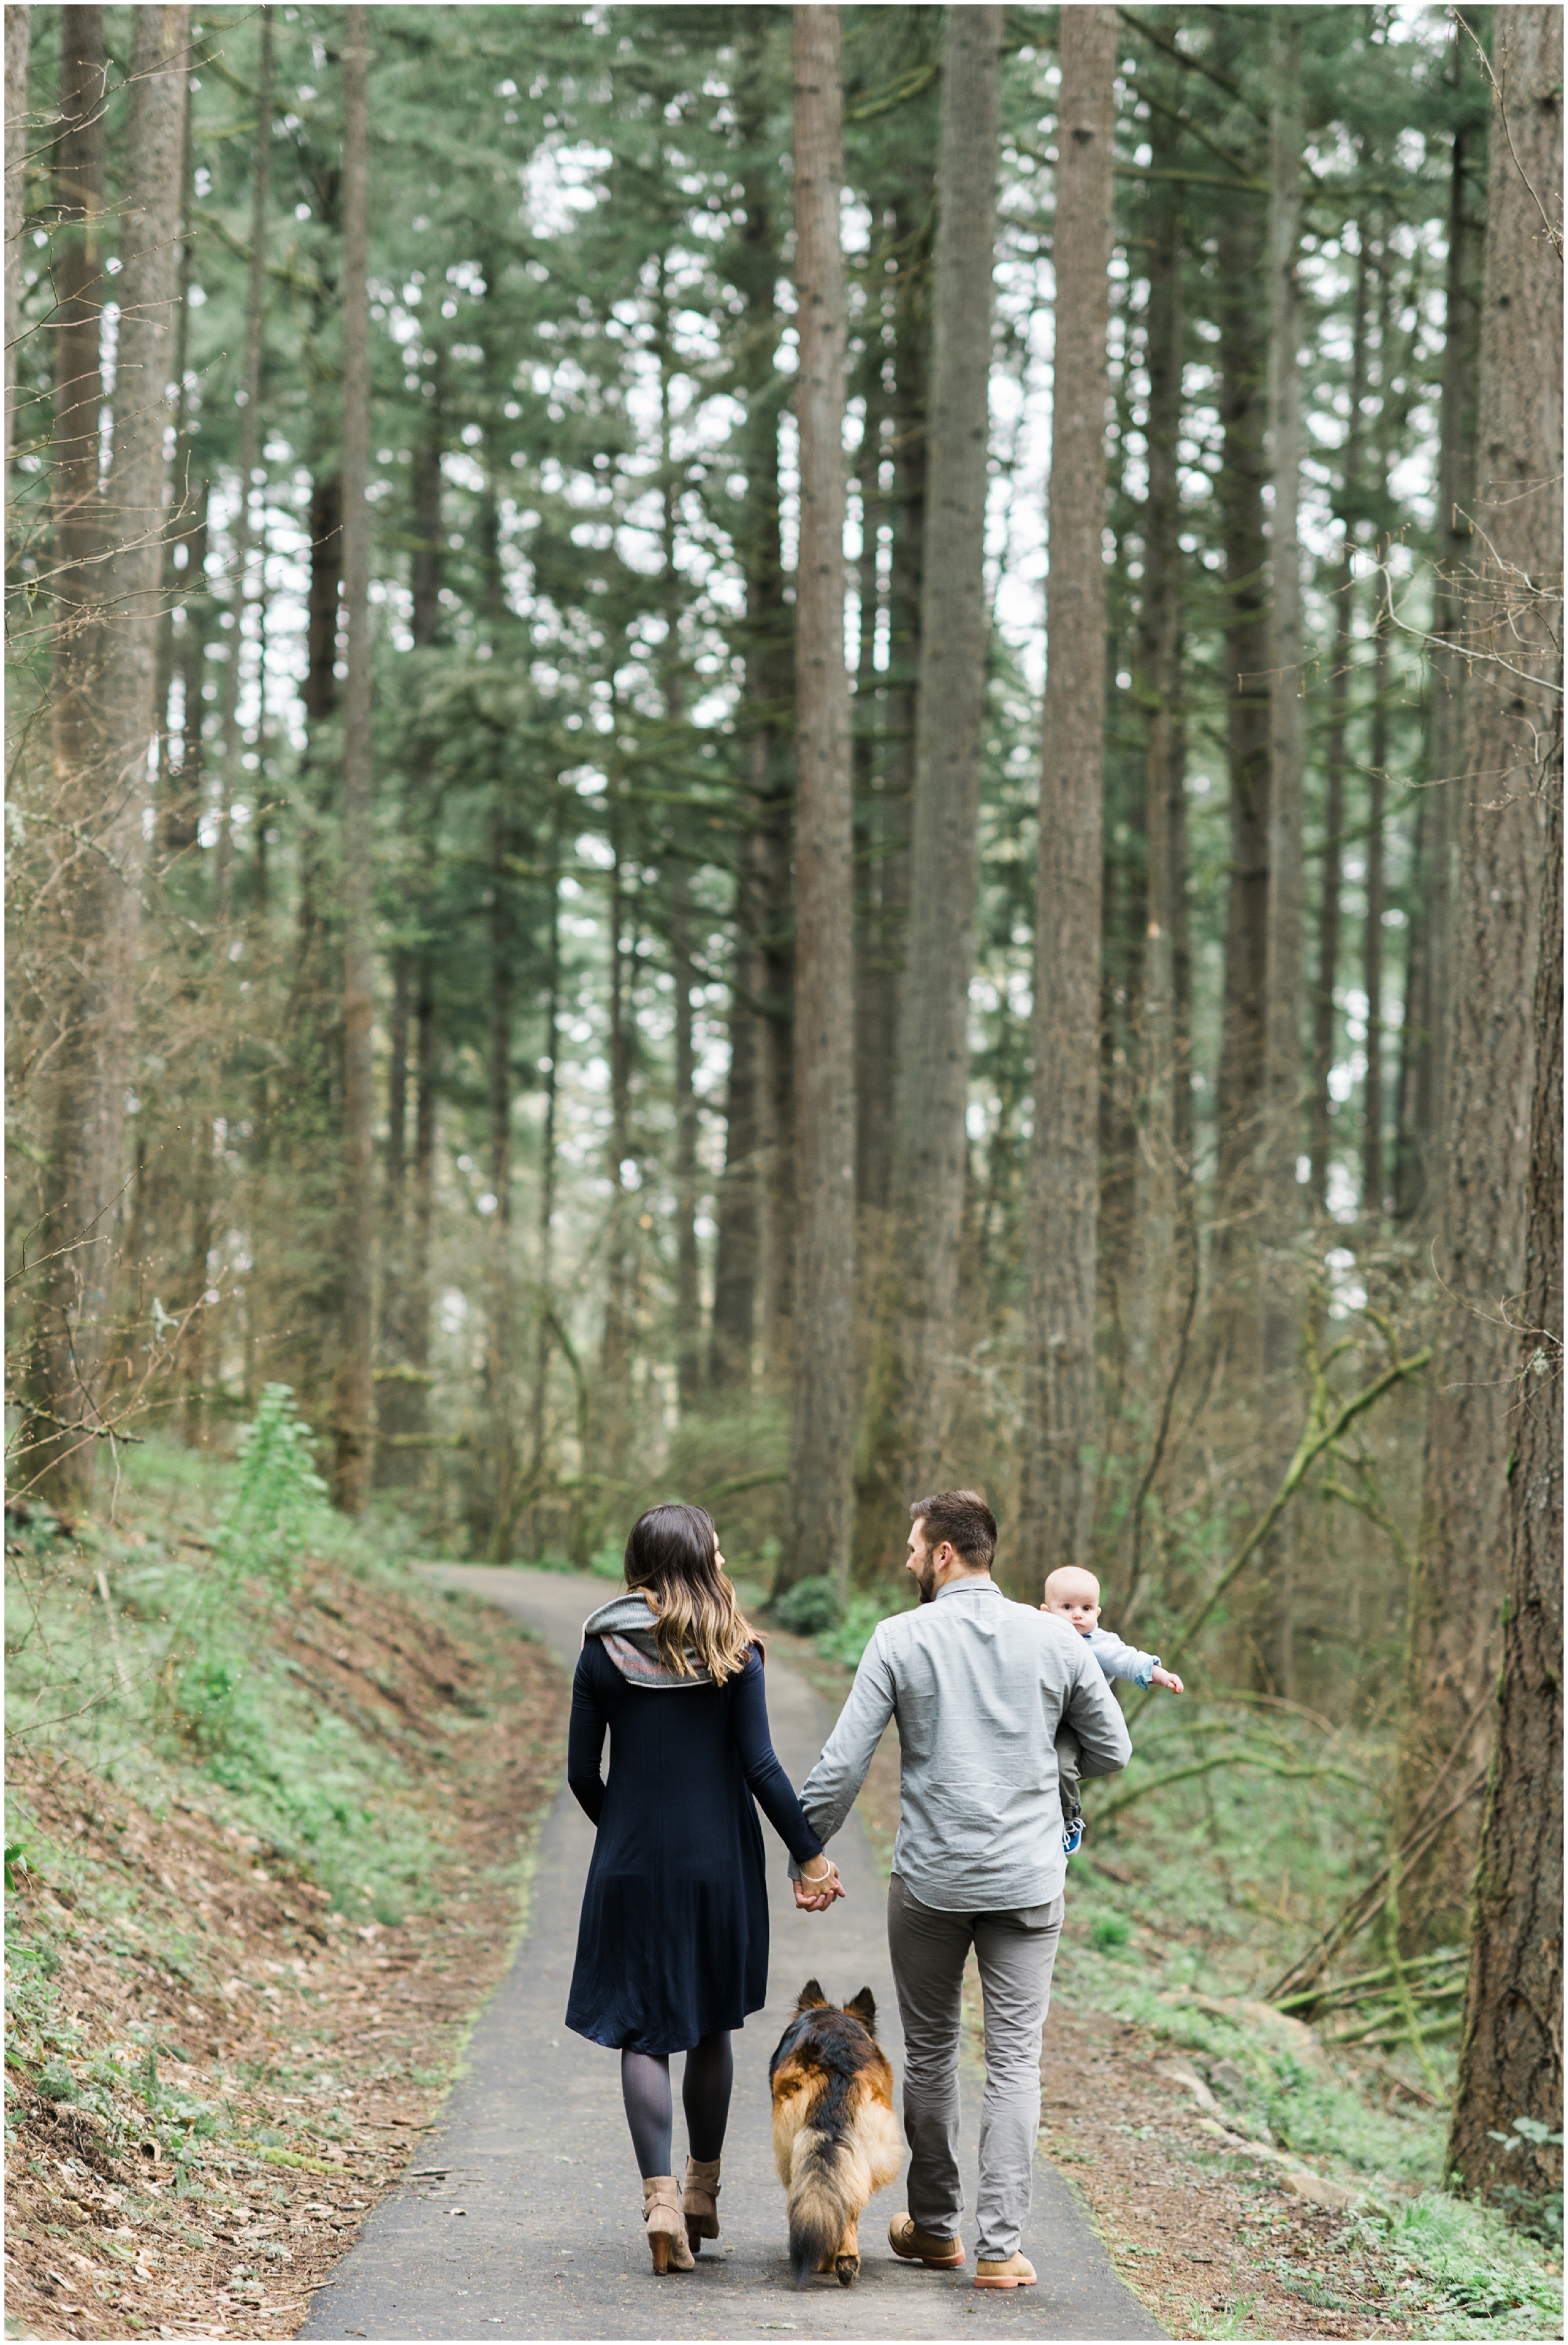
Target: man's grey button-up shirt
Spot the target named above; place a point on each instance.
(979, 1686)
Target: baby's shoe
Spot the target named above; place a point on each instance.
(1072, 1837)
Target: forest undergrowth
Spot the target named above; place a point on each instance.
(270, 1800)
(265, 1799)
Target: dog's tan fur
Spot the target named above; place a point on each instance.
(836, 2138)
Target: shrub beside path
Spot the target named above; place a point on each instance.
(522, 2217)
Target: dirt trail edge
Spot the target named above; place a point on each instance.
(521, 2217)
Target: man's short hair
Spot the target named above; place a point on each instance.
(963, 1518)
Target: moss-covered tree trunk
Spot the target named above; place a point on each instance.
(1511, 736)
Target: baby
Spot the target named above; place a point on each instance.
(1074, 1596)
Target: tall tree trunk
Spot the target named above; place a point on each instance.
(1059, 1329)
(909, 1402)
(417, 1290)
(18, 30)
(683, 913)
(879, 982)
(1511, 734)
(546, 1235)
(1284, 1063)
(1510, 2052)
(180, 788)
(619, 1301)
(1162, 1268)
(1445, 737)
(1240, 311)
(184, 592)
(403, 1380)
(822, 1433)
(353, 1402)
(873, 971)
(688, 1290)
(1374, 1109)
(1407, 1166)
(765, 905)
(250, 459)
(738, 1254)
(500, 1364)
(1287, 726)
(104, 697)
(734, 1331)
(1336, 756)
(398, 1092)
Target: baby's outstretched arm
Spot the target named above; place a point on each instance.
(1166, 1678)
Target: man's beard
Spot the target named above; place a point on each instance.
(926, 1581)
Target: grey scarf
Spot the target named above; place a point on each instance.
(625, 1624)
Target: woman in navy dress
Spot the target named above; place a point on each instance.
(673, 1943)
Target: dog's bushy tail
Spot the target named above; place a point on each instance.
(818, 2208)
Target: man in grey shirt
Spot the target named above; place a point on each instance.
(979, 1687)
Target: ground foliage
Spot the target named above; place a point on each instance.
(246, 1926)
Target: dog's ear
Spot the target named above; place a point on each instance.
(864, 2008)
(811, 1996)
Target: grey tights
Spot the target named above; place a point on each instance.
(705, 2096)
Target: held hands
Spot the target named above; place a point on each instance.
(815, 1891)
(1168, 1679)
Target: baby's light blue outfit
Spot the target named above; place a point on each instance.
(1119, 1661)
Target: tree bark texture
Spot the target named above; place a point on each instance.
(909, 1401)
(545, 1262)
(1238, 312)
(620, 1297)
(1374, 1106)
(18, 30)
(1512, 737)
(765, 903)
(1422, 1187)
(402, 1378)
(879, 974)
(734, 1331)
(1284, 1061)
(688, 1291)
(1287, 709)
(249, 454)
(1162, 1174)
(103, 731)
(822, 1439)
(1510, 2052)
(1337, 757)
(353, 1403)
(1059, 1360)
(502, 1363)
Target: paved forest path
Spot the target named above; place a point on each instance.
(532, 2146)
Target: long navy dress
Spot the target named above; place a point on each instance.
(673, 1939)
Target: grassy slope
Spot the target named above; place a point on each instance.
(274, 1830)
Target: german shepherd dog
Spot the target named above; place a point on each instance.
(835, 2138)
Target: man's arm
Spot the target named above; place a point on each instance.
(1090, 1709)
(830, 1791)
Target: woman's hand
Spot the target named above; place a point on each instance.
(815, 1891)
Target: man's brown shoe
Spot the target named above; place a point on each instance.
(1015, 2271)
(906, 2239)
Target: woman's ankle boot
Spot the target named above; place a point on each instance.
(665, 2224)
(700, 2201)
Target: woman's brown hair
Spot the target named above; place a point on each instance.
(671, 1559)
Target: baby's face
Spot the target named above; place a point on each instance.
(1075, 1600)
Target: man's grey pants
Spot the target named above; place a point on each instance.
(1016, 1952)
